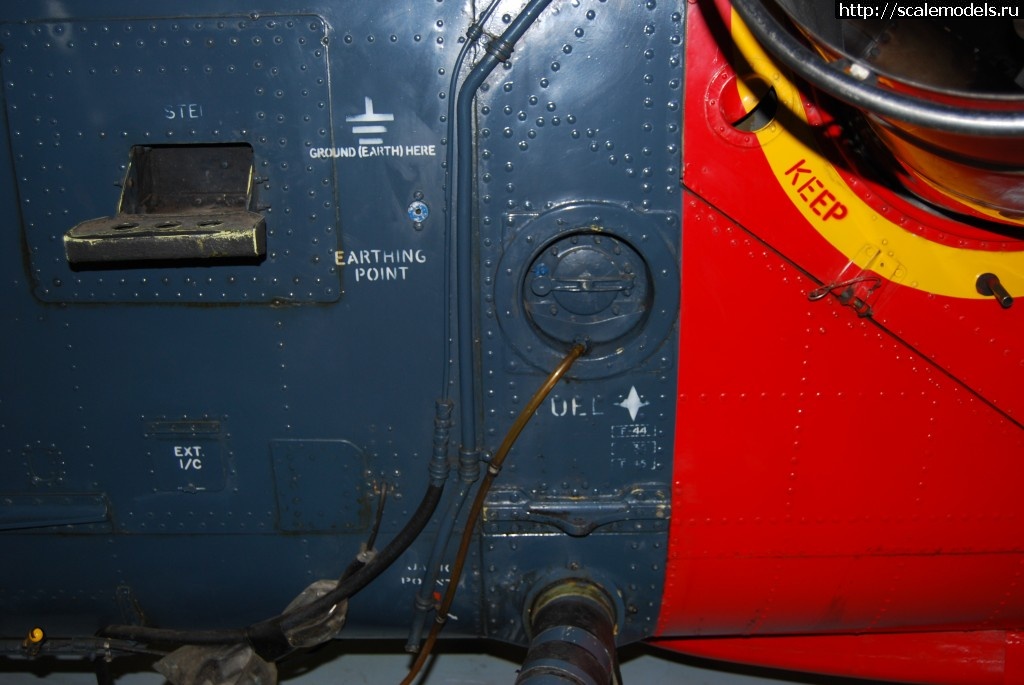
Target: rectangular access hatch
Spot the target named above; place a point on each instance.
(181, 93)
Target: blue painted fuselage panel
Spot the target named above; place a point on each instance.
(190, 444)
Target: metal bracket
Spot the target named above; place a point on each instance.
(236, 234)
(178, 202)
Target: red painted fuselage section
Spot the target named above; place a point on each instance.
(847, 489)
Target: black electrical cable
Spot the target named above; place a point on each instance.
(281, 623)
(148, 635)
(826, 76)
(94, 647)
(378, 519)
(380, 563)
(367, 553)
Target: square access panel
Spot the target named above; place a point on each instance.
(168, 102)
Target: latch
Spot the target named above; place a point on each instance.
(585, 282)
(640, 507)
(860, 287)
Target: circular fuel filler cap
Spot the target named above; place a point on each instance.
(587, 284)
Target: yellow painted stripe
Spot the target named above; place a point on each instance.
(867, 238)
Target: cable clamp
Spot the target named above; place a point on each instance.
(500, 49)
